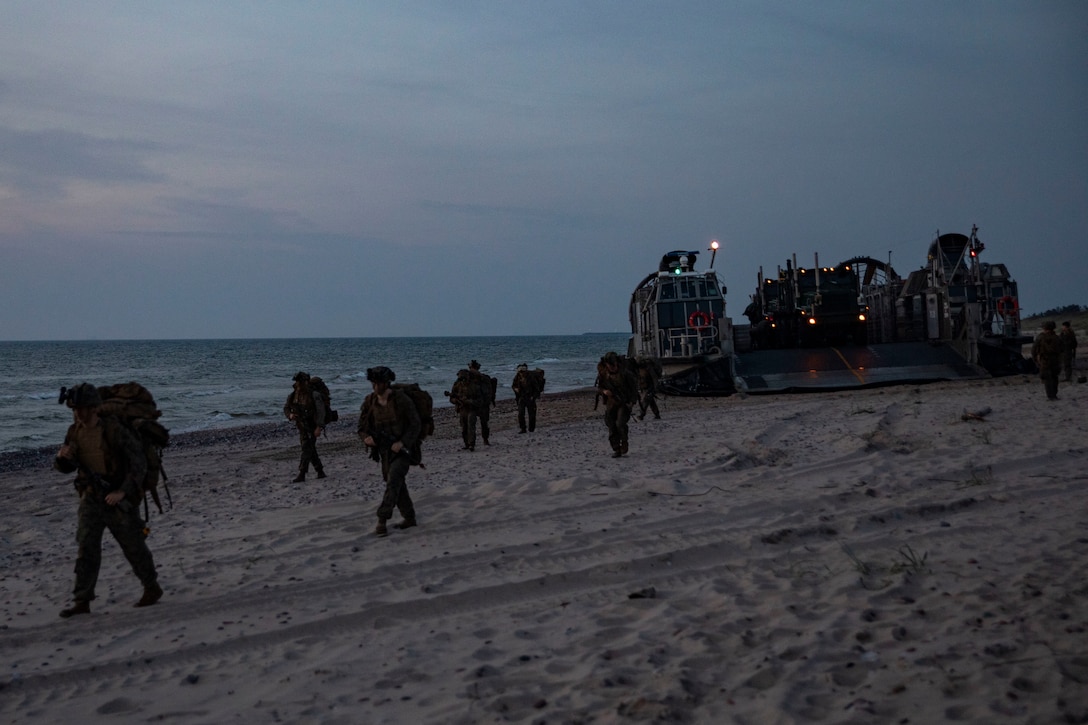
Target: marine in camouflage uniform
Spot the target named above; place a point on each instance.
(306, 407)
(1069, 350)
(619, 387)
(111, 464)
(647, 386)
(1046, 351)
(467, 397)
(525, 393)
(389, 426)
(483, 411)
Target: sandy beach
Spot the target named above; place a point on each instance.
(872, 556)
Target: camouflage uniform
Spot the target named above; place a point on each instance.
(1046, 351)
(108, 457)
(1069, 351)
(647, 385)
(466, 397)
(622, 385)
(308, 407)
(525, 393)
(486, 398)
(387, 424)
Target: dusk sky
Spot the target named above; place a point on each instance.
(356, 169)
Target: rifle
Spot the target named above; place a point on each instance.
(99, 484)
(382, 439)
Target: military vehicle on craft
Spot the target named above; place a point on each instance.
(678, 319)
(807, 307)
(955, 298)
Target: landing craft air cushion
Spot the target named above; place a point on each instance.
(955, 318)
(678, 318)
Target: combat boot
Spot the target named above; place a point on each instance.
(380, 529)
(321, 473)
(407, 523)
(151, 595)
(79, 607)
(299, 478)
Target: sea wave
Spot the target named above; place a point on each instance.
(202, 385)
(208, 393)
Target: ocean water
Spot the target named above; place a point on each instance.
(210, 384)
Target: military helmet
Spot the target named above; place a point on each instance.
(84, 395)
(301, 377)
(380, 374)
(1049, 325)
(611, 358)
(474, 365)
(523, 366)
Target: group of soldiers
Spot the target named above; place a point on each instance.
(623, 382)
(110, 462)
(1054, 355)
(473, 397)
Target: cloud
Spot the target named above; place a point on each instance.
(44, 163)
(521, 165)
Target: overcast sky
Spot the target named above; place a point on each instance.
(343, 169)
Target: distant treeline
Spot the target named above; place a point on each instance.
(1068, 310)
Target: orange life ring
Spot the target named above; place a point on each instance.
(699, 320)
(1007, 305)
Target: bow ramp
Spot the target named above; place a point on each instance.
(840, 368)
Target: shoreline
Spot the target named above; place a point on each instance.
(42, 457)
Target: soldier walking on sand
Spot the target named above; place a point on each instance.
(527, 388)
(647, 389)
(473, 394)
(487, 399)
(306, 408)
(1046, 351)
(389, 425)
(1069, 350)
(465, 396)
(619, 388)
(111, 464)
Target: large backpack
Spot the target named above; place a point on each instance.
(488, 385)
(536, 377)
(133, 405)
(421, 399)
(318, 385)
(424, 406)
(529, 382)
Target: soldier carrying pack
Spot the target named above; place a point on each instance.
(132, 405)
(318, 385)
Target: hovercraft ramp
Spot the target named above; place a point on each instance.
(842, 368)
